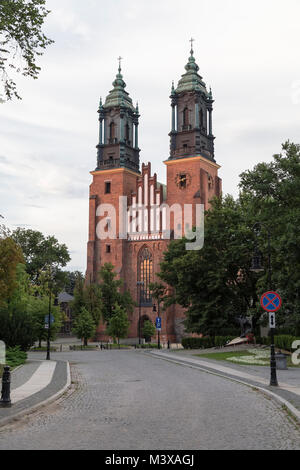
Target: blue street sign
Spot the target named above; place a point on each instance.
(47, 319)
(158, 323)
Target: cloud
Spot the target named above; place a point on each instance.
(48, 139)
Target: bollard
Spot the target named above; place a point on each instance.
(5, 392)
(168, 344)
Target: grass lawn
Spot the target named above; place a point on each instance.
(251, 357)
(14, 358)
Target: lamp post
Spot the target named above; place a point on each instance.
(140, 284)
(49, 315)
(257, 268)
(158, 313)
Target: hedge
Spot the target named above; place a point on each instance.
(206, 342)
(281, 341)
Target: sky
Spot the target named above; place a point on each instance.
(248, 52)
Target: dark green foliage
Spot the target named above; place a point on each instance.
(15, 357)
(118, 324)
(198, 343)
(22, 41)
(111, 293)
(215, 285)
(84, 326)
(40, 252)
(149, 330)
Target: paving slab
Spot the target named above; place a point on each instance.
(48, 380)
(288, 392)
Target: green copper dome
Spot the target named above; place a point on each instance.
(118, 97)
(191, 80)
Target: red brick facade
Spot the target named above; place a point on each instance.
(192, 179)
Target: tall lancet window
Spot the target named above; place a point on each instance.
(145, 274)
(201, 119)
(127, 134)
(185, 118)
(112, 132)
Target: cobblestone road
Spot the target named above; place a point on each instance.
(130, 401)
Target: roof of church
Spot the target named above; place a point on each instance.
(191, 80)
(118, 97)
(64, 297)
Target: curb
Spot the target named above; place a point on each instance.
(21, 414)
(294, 411)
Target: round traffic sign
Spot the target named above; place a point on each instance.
(271, 301)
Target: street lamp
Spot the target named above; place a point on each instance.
(158, 312)
(140, 284)
(257, 267)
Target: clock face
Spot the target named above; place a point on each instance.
(183, 180)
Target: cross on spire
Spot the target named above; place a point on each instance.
(192, 41)
(120, 63)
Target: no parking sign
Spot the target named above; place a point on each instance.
(271, 302)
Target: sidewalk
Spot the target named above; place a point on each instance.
(33, 385)
(288, 392)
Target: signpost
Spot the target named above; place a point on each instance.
(158, 324)
(271, 302)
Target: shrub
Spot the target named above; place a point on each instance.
(198, 343)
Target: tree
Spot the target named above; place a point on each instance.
(17, 325)
(118, 324)
(84, 326)
(215, 285)
(111, 294)
(10, 257)
(271, 194)
(38, 307)
(79, 301)
(40, 252)
(149, 330)
(21, 41)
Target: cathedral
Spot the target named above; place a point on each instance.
(135, 238)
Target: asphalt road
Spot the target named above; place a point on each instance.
(127, 400)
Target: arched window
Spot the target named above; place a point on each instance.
(145, 274)
(112, 132)
(201, 119)
(185, 117)
(127, 132)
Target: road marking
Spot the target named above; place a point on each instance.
(39, 380)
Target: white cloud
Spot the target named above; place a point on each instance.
(247, 52)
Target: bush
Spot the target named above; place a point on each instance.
(15, 357)
(281, 341)
(198, 343)
(285, 342)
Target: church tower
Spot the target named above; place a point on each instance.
(118, 130)
(192, 107)
(118, 162)
(192, 171)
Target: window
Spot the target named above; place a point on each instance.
(145, 273)
(185, 117)
(201, 119)
(182, 182)
(107, 187)
(112, 129)
(108, 249)
(127, 132)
